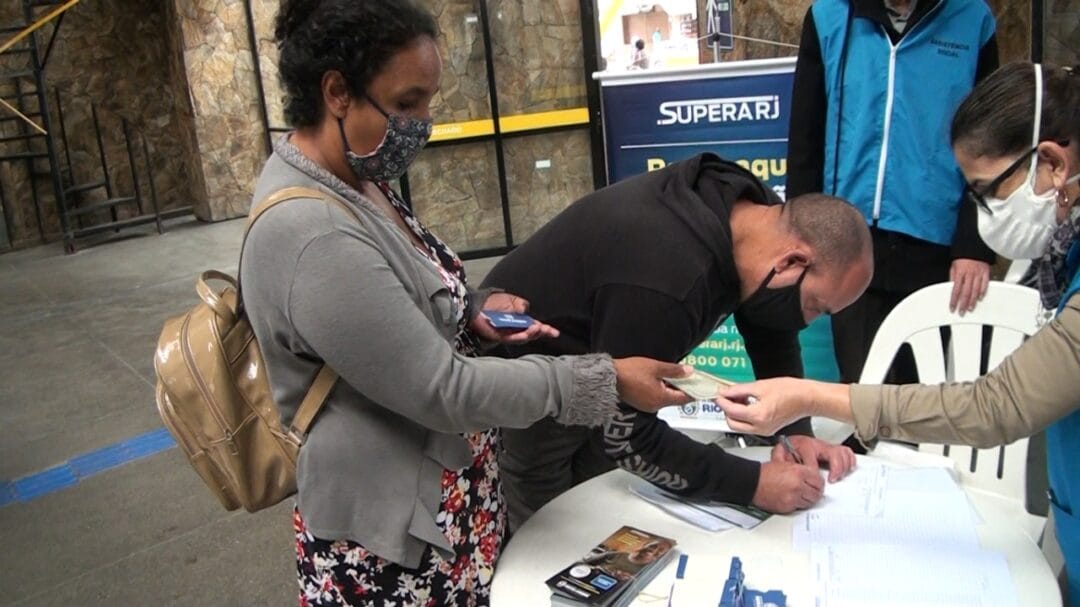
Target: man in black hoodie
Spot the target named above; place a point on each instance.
(650, 266)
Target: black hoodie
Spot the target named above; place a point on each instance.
(645, 267)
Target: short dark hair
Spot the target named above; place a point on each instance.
(639, 44)
(354, 37)
(834, 228)
(997, 117)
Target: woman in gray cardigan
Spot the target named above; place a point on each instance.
(398, 490)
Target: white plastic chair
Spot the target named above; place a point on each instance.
(1016, 271)
(1014, 312)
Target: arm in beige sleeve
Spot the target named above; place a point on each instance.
(1035, 386)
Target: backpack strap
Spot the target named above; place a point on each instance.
(271, 201)
(313, 402)
(292, 193)
(327, 377)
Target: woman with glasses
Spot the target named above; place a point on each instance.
(1017, 140)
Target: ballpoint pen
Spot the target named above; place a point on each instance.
(790, 449)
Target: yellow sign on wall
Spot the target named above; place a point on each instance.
(462, 130)
(510, 124)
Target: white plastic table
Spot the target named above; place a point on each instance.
(568, 526)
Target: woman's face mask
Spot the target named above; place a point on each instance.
(405, 137)
(1021, 225)
(779, 309)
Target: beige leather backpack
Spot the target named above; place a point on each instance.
(214, 397)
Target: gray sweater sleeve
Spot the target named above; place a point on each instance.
(347, 305)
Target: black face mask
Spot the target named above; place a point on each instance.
(779, 309)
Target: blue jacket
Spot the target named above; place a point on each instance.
(896, 98)
(1062, 459)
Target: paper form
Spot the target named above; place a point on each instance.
(904, 522)
(861, 492)
(890, 506)
(900, 536)
(910, 576)
(924, 480)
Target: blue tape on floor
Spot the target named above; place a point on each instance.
(78, 468)
(98, 461)
(149, 443)
(42, 483)
(7, 494)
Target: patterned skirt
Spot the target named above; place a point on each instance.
(471, 515)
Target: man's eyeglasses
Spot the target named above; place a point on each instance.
(978, 196)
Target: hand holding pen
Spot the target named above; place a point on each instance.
(786, 443)
(813, 452)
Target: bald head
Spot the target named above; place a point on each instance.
(832, 227)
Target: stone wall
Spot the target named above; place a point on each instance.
(1062, 34)
(538, 60)
(774, 20)
(264, 13)
(538, 67)
(781, 21)
(1013, 29)
(120, 55)
(455, 191)
(228, 123)
(463, 93)
(545, 173)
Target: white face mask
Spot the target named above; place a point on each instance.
(1021, 225)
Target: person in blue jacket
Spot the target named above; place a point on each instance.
(1017, 141)
(876, 84)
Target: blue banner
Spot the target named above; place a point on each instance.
(738, 110)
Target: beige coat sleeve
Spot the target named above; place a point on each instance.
(1032, 388)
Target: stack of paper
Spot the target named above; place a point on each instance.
(890, 536)
(711, 516)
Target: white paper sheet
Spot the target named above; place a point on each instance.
(890, 506)
(910, 576)
(695, 516)
(861, 493)
(711, 516)
(900, 536)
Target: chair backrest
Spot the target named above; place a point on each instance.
(1016, 271)
(1013, 312)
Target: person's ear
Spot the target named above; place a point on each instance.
(335, 93)
(790, 267)
(1056, 157)
(797, 257)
